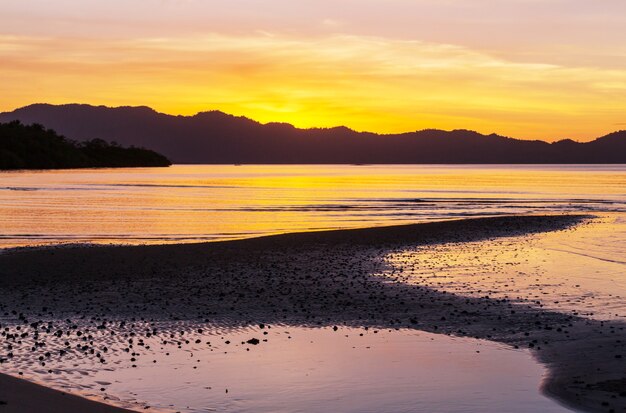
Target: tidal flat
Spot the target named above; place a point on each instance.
(75, 318)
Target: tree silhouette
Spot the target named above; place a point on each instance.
(35, 147)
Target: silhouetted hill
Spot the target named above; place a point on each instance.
(34, 147)
(215, 137)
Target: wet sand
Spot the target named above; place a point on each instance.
(308, 279)
(21, 396)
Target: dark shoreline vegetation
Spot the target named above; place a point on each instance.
(317, 279)
(35, 147)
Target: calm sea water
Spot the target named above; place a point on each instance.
(199, 203)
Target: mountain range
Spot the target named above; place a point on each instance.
(218, 138)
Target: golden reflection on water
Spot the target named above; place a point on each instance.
(188, 203)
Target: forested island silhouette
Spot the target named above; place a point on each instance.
(35, 147)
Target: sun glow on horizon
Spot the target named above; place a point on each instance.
(329, 75)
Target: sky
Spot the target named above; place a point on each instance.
(532, 69)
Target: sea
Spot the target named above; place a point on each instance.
(197, 203)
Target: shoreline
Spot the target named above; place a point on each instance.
(19, 395)
(281, 271)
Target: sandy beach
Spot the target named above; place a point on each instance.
(56, 298)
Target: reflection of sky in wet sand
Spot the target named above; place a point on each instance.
(580, 270)
(313, 370)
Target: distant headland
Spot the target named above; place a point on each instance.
(218, 138)
(35, 147)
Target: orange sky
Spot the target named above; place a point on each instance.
(525, 68)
